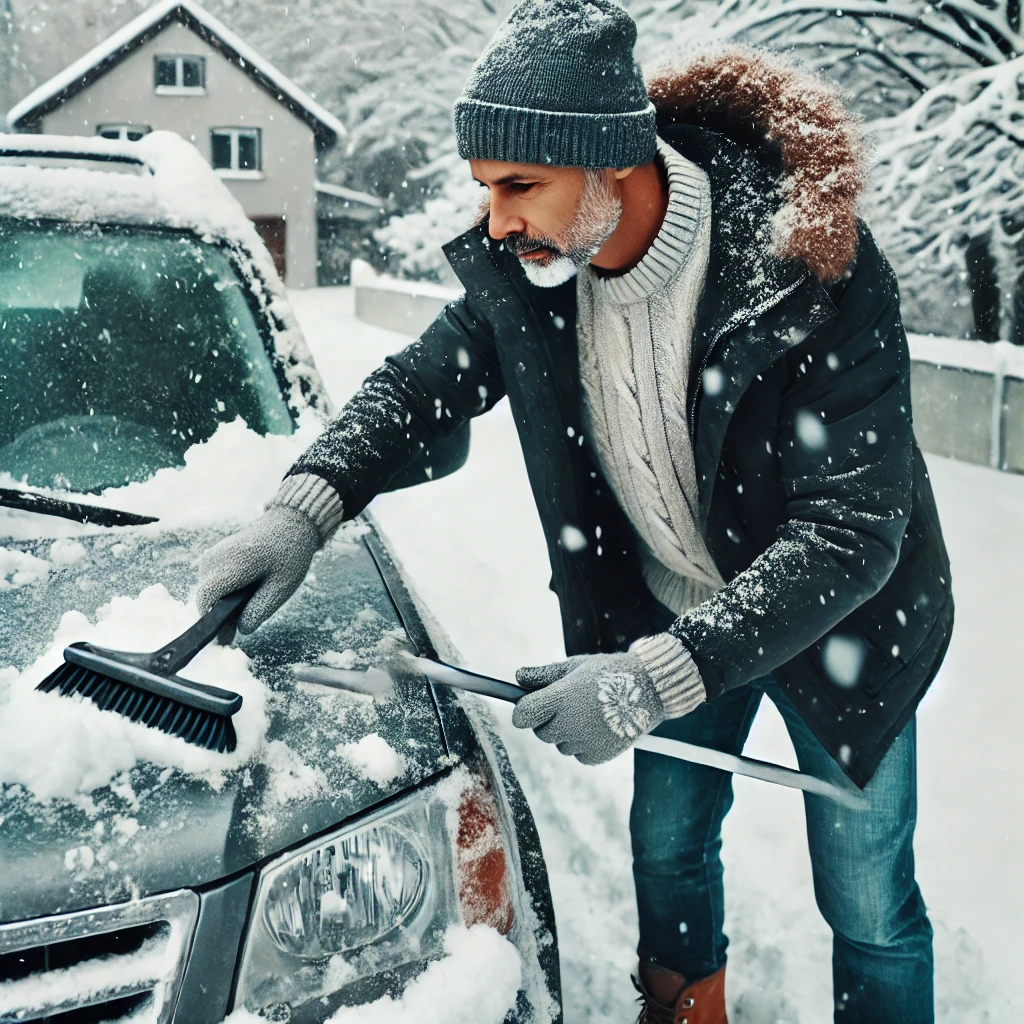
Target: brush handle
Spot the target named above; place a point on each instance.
(462, 679)
(174, 656)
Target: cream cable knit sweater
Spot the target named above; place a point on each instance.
(635, 334)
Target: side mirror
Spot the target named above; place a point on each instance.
(440, 459)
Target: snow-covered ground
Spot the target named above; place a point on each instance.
(473, 546)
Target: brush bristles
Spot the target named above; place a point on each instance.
(194, 725)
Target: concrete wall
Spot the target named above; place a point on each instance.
(405, 312)
(969, 414)
(287, 187)
(408, 307)
(953, 411)
(1013, 425)
(968, 400)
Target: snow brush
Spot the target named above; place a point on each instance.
(380, 683)
(144, 687)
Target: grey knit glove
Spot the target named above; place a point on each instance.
(592, 707)
(595, 706)
(275, 549)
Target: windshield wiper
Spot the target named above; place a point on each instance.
(29, 501)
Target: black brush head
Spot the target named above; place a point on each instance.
(194, 725)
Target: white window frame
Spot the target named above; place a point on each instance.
(234, 171)
(179, 75)
(123, 130)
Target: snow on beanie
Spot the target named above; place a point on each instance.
(558, 85)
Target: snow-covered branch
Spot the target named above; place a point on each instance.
(950, 171)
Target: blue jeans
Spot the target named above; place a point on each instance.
(862, 862)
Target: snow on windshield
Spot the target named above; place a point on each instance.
(227, 479)
(123, 347)
(96, 746)
(19, 568)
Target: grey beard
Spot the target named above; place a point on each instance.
(557, 270)
(597, 216)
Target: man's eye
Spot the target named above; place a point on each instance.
(522, 186)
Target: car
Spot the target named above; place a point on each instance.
(152, 369)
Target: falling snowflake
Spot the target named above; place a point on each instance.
(811, 431)
(572, 538)
(714, 380)
(843, 657)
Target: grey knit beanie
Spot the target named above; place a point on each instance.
(558, 85)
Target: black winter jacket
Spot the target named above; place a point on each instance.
(814, 498)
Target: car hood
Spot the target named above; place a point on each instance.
(155, 828)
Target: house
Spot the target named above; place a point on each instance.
(176, 67)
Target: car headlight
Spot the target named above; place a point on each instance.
(353, 914)
(347, 892)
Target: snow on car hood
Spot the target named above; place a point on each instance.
(95, 810)
(97, 746)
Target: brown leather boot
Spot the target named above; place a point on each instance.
(667, 999)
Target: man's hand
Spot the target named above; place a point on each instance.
(275, 550)
(593, 706)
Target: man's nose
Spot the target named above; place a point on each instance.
(503, 221)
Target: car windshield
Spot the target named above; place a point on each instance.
(119, 349)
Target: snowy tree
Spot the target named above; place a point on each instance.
(38, 38)
(948, 204)
(413, 241)
(884, 53)
(901, 62)
(7, 54)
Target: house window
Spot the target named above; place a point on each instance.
(236, 152)
(123, 132)
(180, 76)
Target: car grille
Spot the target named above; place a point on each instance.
(95, 966)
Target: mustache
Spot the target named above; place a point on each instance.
(521, 244)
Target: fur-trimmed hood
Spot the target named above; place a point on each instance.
(760, 98)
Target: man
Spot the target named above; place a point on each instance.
(702, 349)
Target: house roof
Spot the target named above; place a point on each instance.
(337, 203)
(102, 58)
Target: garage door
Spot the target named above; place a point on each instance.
(272, 231)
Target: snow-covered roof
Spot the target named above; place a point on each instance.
(99, 60)
(351, 195)
(335, 202)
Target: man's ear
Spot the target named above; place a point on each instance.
(623, 172)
